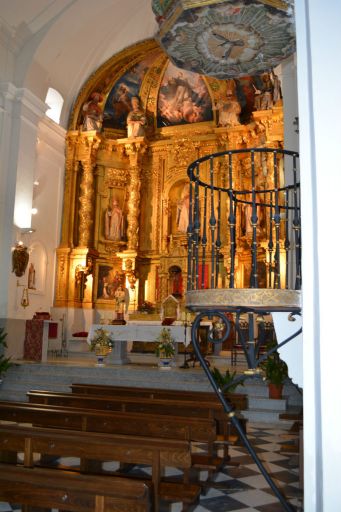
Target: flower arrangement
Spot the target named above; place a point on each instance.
(102, 341)
(146, 307)
(165, 344)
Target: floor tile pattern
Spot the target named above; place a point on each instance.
(239, 488)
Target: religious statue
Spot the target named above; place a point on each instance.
(31, 277)
(20, 259)
(267, 94)
(121, 302)
(93, 116)
(136, 119)
(229, 110)
(114, 222)
(277, 89)
(183, 210)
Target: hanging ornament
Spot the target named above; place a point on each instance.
(24, 298)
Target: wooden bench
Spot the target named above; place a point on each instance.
(155, 452)
(72, 491)
(112, 422)
(160, 407)
(146, 404)
(139, 424)
(238, 400)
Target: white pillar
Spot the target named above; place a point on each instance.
(319, 77)
(20, 112)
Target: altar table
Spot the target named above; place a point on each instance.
(146, 331)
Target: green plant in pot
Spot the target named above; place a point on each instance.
(276, 372)
(5, 362)
(165, 348)
(223, 380)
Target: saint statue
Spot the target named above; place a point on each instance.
(267, 95)
(136, 119)
(183, 210)
(122, 302)
(229, 110)
(114, 222)
(31, 277)
(93, 116)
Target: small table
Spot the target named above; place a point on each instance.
(37, 335)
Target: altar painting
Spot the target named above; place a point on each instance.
(183, 98)
(109, 279)
(118, 103)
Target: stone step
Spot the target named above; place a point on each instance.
(264, 416)
(59, 375)
(256, 403)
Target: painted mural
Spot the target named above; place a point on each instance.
(183, 98)
(118, 103)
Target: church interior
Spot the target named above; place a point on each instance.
(166, 207)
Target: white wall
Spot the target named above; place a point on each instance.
(319, 76)
(47, 198)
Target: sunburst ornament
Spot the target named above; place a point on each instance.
(226, 39)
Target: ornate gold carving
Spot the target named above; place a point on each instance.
(86, 205)
(133, 208)
(99, 162)
(116, 177)
(269, 299)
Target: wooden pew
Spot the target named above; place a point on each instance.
(188, 408)
(72, 491)
(155, 452)
(139, 424)
(238, 400)
(112, 422)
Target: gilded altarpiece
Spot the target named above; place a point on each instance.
(126, 198)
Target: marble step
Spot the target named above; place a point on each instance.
(265, 416)
(256, 403)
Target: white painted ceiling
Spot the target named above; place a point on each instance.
(60, 43)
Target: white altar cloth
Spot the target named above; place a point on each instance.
(142, 331)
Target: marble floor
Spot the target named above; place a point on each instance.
(240, 488)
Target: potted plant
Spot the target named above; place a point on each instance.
(165, 348)
(276, 372)
(102, 343)
(223, 380)
(5, 362)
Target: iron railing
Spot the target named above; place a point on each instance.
(244, 231)
(244, 211)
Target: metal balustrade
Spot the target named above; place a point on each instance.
(244, 256)
(244, 207)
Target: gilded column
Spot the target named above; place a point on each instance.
(86, 198)
(71, 168)
(134, 151)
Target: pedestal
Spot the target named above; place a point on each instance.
(118, 355)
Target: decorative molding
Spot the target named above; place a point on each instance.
(261, 298)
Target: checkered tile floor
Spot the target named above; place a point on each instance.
(241, 488)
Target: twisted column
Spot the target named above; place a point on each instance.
(134, 151)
